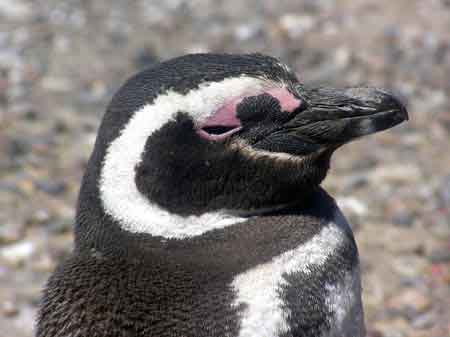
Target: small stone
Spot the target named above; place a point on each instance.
(60, 226)
(422, 321)
(410, 299)
(440, 256)
(403, 219)
(145, 58)
(56, 84)
(44, 264)
(15, 9)
(40, 216)
(395, 174)
(10, 232)
(296, 25)
(31, 115)
(365, 163)
(9, 187)
(410, 261)
(9, 309)
(98, 89)
(26, 187)
(342, 57)
(439, 226)
(93, 92)
(354, 181)
(352, 205)
(51, 187)
(197, 48)
(444, 191)
(19, 147)
(61, 126)
(245, 32)
(396, 327)
(374, 333)
(17, 253)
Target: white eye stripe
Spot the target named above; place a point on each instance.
(118, 191)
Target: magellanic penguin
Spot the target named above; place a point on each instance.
(201, 213)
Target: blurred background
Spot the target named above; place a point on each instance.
(61, 61)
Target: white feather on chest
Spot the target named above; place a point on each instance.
(258, 287)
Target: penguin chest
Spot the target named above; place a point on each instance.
(311, 290)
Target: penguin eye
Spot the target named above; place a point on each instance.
(222, 124)
(218, 132)
(217, 129)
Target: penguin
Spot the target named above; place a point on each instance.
(201, 213)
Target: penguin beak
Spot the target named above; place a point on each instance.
(333, 117)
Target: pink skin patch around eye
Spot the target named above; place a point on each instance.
(225, 116)
(287, 101)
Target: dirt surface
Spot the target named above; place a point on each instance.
(61, 61)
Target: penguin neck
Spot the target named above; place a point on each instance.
(120, 224)
(96, 230)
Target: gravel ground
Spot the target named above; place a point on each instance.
(60, 62)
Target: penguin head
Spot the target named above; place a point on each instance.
(205, 133)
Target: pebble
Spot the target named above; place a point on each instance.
(56, 84)
(19, 147)
(61, 127)
(405, 219)
(8, 308)
(17, 253)
(354, 181)
(26, 187)
(10, 232)
(440, 256)
(40, 216)
(245, 32)
(412, 265)
(439, 225)
(422, 321)
(392, 328)
(15, 9)
(395, 174)
(444, 191)
(145, 57)
(410, 298)
(51, 187)
(60, 226)
(352, 205)
(297, 24)
(45, 263)
(342, 57)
